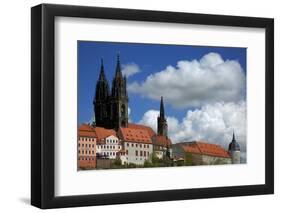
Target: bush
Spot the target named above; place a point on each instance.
(188, 159)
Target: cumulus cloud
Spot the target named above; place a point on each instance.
(129, 115)
(213, 123)
(130, 69)
(195, 83)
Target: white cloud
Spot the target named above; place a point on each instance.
(213, 123)
(130, 69)
(129, 115)
(195, 83)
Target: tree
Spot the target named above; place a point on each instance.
(117, 162)
(188, 159)
(147, 163)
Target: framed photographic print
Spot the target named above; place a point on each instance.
(140, 106)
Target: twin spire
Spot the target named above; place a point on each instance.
(118, 72)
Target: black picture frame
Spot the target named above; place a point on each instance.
(43, 102)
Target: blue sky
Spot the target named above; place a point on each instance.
(150, 58)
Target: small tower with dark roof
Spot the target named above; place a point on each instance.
(234, 150)
(101, 98)
(162, 126)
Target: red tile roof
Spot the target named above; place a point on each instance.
(162, 140)
(86, 130)
(136, 135)
(204, 148)
(102, 133)
(142, 127)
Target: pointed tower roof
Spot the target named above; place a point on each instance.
(233, 137)
(162, 111)
(102, 74)
(102, 87)
(118, 72)
(234, 146)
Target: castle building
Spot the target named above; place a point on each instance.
(111, 108)
(234, 150)
(112, 137)
(137, 145)
(200, 153)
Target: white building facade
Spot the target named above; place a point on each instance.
(108, 147)
(136, 152)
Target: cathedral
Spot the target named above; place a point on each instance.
(111, 106)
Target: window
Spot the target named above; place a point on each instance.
(107, 147)
(132, 145)
(79, 145)
(93, 145)
(127, 144)
(127, 152)
(82, 145)
(113, 153)
(82, 151)
(79, 151)
(144, 153)
(136, 152)
(141, 153)
(136, 145)
(92, 152)
(140, 146)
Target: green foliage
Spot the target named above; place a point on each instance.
(147, 163)
(188, 159)
(117, 162)
(179, 163)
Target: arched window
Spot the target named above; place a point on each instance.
(123, 110)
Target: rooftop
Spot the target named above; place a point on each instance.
(86, 130)
(204, 148)
(136, 135)
(102, 133)
(162, 140)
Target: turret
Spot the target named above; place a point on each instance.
(234, 150)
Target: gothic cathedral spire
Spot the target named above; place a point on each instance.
(119, 99)
(101, 98)
(162, 127)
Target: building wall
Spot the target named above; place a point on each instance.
(110, 146)
(235, 155)
(177, 151)
(86, 152)
(137, 153)
(212, 160)
(160, 151)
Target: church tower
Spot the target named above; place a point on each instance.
(119, 99)
(162, 127)
(234, 150)
(101, 98)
